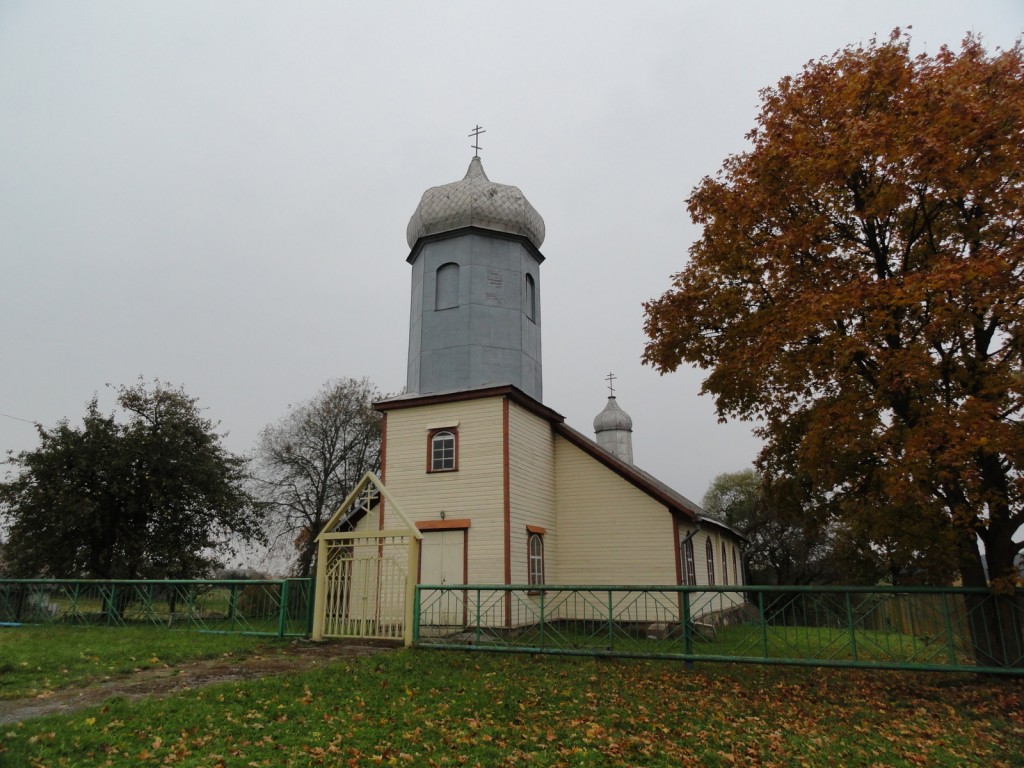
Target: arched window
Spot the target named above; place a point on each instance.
(535, 548)
(689, 565)
(725, 567)
(446, 293)
(735, 570)
(710, 553)
(442, 453)
(530, 299)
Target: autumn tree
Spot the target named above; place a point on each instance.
(310, 460)
(154, 495)
(858, 288)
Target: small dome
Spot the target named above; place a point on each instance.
(478, 202)
(612, 417)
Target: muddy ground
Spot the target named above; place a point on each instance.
(167, 681)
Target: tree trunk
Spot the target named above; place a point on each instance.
(995, 621)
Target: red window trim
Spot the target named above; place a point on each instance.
(430, 450)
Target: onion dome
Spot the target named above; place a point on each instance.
(612, 417)
(475, 201)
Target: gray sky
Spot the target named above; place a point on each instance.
(216, 193)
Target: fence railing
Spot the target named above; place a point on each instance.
(891, 628)
(280, 607)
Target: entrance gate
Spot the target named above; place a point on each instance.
(365, 582)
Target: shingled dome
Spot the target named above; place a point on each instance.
(612, 417)
(475, 201)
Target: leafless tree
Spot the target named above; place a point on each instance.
(309, 461)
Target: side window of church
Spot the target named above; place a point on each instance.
(446, 294)
(689, 564)
(725, 567)
(530, 299)
(735, 570)
(535, 547)
(709, 551)
(442, 451)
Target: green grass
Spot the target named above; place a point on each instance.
(425, 708)
(37, 659)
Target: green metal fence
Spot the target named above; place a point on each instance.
(890, 628)
(281, 608)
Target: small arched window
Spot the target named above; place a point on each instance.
(446, 293)
(735, 570)
(725, 567)
(442, 452)
(689, 565)
(710, 553)
(530, 299)
(535, 546)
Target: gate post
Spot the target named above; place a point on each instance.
(320, 590)
(411, 607)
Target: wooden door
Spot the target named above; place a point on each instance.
(442, 562)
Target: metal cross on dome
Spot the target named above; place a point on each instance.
(611, 377)
(476, 140)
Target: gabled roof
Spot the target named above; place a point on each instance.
(364, 497)
(676, 502)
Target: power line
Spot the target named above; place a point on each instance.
(18, 418)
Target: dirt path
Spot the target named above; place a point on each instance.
(167, 681)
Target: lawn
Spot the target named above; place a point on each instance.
(436, 708)
(38, 659)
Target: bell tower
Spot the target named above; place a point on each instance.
(475, 314)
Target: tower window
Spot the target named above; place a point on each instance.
(530, 299)
(442, 450)
(446, 293)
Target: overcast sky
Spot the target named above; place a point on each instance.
(215, 193)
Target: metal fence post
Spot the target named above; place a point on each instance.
(764, 624)
(611, 611)
(687, 625)
(310, 596)
(282, 609)
(853, 627)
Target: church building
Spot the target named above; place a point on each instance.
(501, 488)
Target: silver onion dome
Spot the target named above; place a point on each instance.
(475, 201)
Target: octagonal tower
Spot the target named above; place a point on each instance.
(475, 311)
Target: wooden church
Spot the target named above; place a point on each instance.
(499, 488)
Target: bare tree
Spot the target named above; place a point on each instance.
(307, 462)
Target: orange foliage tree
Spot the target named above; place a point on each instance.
(858, 288)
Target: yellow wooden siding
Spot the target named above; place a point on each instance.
(609, 531)
(531, 490)
(721, 601)
(474, 491)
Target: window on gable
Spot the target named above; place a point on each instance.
(725, 567)
(442, 450)
(530, 299)
(535, 552)
(446, 293)
(709, 551)
(689, 563)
